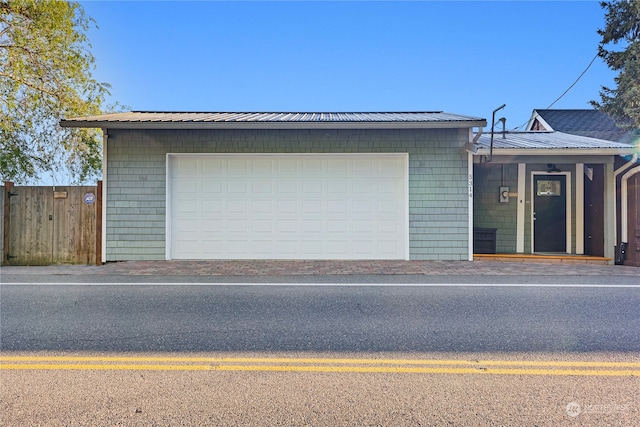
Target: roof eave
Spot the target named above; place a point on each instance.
(556, 151)
(273, 125)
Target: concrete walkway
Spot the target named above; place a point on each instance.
(293, 268)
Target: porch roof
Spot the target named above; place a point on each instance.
(547, 143)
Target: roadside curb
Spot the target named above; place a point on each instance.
(309, 268)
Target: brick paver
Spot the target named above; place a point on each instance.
(288, 268)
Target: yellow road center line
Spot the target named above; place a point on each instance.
(316, 368)
(416, 370)
(102, 367)
(330, 361)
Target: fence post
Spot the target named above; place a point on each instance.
(99, 223)
(8, 186)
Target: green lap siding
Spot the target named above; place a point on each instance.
(136, 180)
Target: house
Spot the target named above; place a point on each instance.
(399, 185)
(546, 192)
(286, 185)
(595, 124)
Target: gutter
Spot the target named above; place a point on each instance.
(555, 151)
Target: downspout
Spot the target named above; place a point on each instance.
(472, 145)
(475, 138)
(624, 228)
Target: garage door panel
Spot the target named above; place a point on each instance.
(313, 226)
(337, 226)
(263, 187)
(388, 207)
(362, 226)
(237, 187)
(237, 167)
(287, 167)
(339, 167)
(313, 166)
(212, 187)
(236, 207)
(210, 207)
(360, 206)
(288, 207)
(188, 209)
(212, 166)
(286, 247)
(388, 247)
(389, 226)
(285, 226)
(262, 226)
(262, 207)
(262, 247)
(236, 246)
(287, 186)
(263, 167)
(313, 247)
(338, 247)
(212, 226)
(362, 247)
(313, 207)
(364, 167)
(335, 187)
(185, 167)
(390, 186)
(315, 188)
(363, 187)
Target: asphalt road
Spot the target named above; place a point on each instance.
(162, 355)
(126, 318)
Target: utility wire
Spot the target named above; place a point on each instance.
(568, 89)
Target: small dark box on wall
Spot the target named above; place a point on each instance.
(484, 240)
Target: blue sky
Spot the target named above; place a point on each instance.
(461, 57)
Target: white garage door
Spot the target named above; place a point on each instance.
(308, 206)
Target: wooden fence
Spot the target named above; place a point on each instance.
(52, 225)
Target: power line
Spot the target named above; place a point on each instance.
(574, 83)
(568, 89)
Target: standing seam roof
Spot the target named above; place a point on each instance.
(273, 117)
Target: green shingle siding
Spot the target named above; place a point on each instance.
(136, 180)
(488, 212)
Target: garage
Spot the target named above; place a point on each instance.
(287, 206)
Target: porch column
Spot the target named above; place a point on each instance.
(470, 206)
(522, 176)
(609, 212)
(579, 208)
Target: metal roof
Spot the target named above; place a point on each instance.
(541, 142)
(213, 120)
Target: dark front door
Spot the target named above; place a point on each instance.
(550, 213)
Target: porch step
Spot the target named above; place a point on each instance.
(559, 259)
